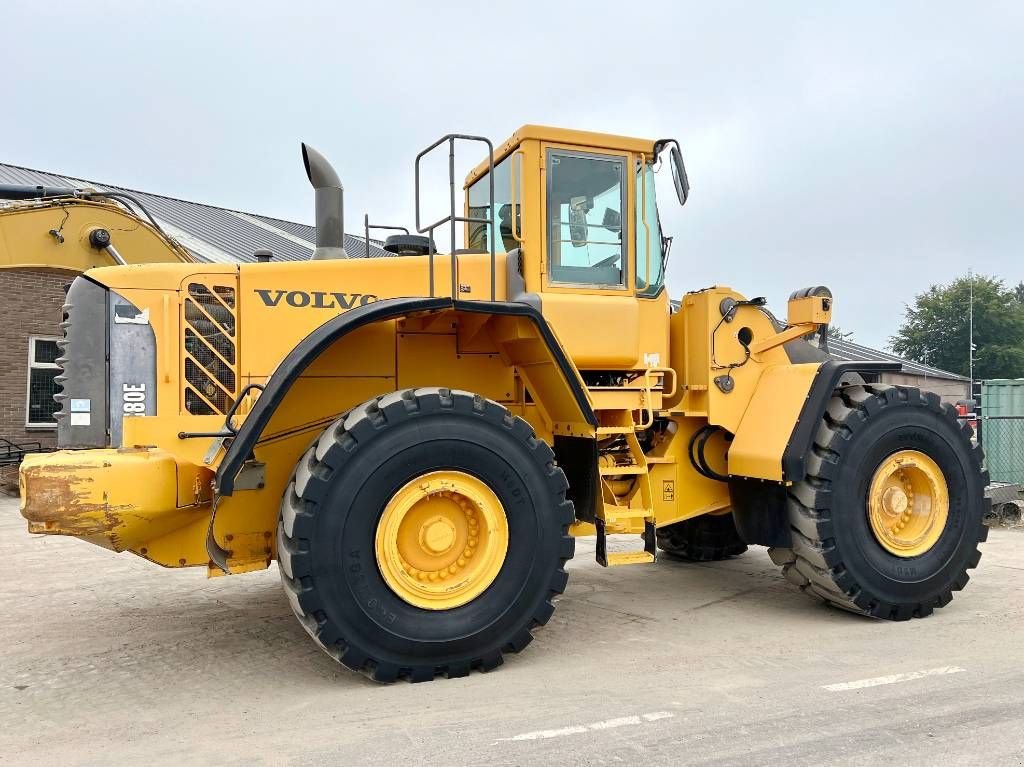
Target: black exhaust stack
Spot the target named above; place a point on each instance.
(330, 205)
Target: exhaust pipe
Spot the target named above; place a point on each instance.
(330, 205)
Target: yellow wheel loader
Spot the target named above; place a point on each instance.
(417, 440)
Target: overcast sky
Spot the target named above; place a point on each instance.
(872, 147)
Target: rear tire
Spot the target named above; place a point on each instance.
(707, 538)
(835, 555)
(342, 487)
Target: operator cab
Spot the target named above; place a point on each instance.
(581, 209)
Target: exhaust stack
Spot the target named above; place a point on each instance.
(330, 205)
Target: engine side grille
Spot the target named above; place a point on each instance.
(210, 351)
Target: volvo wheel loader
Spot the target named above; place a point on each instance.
(417, 440)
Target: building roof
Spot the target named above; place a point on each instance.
(208, 232)
(847, 350)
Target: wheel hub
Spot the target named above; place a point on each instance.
(438, 535)
(441, 540)
(908, 503)
(895, 501)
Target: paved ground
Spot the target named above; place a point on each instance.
(106, 659)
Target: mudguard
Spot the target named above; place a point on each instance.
(305, 352)
(777, 429)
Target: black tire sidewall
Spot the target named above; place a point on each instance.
(350, 589)
(889, 578)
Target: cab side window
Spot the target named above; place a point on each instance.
(585, 213)
(650, 260)
(479, 194)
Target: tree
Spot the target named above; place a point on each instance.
(936, 329)
(836, 332)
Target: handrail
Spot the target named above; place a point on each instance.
(367, 226)
(229, 429)
(516, 206)
(451, 218)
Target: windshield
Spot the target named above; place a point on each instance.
(650, 259)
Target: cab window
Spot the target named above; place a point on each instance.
(586, 199)
(650, 260)
(479, 194)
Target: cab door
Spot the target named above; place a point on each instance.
(589, 283)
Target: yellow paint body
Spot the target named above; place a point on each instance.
(124, 499)
(778, 398)
(26, 241)
(154, 495)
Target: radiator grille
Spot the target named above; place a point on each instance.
(210, 359)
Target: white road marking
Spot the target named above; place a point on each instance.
(543, 734)
(609, 724)
(892, 678)
(606, 724)
(654, 716)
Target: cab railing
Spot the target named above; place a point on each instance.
(452, 219)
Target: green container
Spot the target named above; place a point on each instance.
(1002, 436)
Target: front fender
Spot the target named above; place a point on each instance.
(777, 429)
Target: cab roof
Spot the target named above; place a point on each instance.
(562, 136)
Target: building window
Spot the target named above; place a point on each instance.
(42, 370)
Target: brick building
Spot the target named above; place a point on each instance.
(32, 298)
(28, 334)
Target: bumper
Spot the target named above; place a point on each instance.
(117, 499)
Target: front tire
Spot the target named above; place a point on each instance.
(888, 520)
(344, 538)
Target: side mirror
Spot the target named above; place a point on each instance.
(682, 183)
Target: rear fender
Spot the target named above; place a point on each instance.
(524, 337)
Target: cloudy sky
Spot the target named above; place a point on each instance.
(872, 147)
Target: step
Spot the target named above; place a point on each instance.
(618, 558)
(644, 556)
(613, 513)
(615, 430)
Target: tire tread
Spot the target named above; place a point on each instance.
(309, 483)
(813, 563)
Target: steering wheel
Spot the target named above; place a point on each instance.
(610, 261)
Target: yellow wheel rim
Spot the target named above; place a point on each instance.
(908, 503)
(442, 540)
